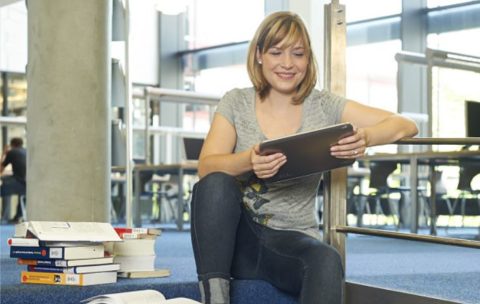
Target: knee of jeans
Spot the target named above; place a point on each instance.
(218, 181)
(324, 259)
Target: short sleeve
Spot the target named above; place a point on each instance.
(334, 104)
(226, 106)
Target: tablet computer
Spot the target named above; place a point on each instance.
(308, 152)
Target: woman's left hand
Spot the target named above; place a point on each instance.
(353, 146)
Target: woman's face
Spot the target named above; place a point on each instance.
(284, 67)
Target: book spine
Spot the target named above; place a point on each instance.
(36, 253)
(122, 230)
(51, 263)
(38, 268)
(23, 242)
(30, 277)
(130, 236)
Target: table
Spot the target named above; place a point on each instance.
(430, 159)
(178, 169)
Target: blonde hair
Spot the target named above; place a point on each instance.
(275, 28)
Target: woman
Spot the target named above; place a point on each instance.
(245, 228)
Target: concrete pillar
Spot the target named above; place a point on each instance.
(68, 129)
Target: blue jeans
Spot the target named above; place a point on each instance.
(227, 243)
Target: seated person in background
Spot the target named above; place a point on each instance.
(246, 228)
(15, 155)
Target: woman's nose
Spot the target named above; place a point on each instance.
(287, 61)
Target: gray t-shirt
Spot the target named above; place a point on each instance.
(288, 205)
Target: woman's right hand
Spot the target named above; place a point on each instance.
(265, 166)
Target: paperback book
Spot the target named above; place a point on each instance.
(66, 263)
(61, 253)
(157, 273)
(83, 279)
(75, 269)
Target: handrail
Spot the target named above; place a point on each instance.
(172, 96)
(439, 141)
(341, 228)
(409, 236)
(181, 96)
(16, 120)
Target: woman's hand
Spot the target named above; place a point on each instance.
(267, 165)
(352, 146)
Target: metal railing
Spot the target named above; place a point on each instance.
(333, 227)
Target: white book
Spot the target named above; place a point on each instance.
(134, 247)
(147, 296)
(135, 263)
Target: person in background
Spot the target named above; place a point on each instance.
(245, 228)
(16, 156)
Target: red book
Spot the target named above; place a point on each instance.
(136, 231)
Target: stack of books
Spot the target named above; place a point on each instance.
(136, 254)
(62, 253)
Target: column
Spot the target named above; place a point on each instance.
(68, 128)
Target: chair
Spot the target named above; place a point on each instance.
(468, 170)
(380, 191)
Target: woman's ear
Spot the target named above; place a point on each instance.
(258, 56)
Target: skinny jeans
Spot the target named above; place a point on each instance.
(228, 244)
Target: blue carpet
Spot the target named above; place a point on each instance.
(447, 272)
(173, 251)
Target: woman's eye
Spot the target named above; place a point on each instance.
(274, 53)
(299, 54)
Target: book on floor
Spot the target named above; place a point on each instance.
(157, 273)
(137, 230)
(61, 253)
(67, 231)
(75, 269)
(147, 296)
(134, 247)
(34, 242)
(135, 263)
(66, 263)
(83, 279)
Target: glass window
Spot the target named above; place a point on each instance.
(372, 72)
(369, 9)
(213, 22)
(17, 94)
(17, 103)
(457, 41)
(438, 3)
(372, 77)
(452, 87)
(213, 81)
(220, 80)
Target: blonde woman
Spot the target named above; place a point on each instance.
(246, 228)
